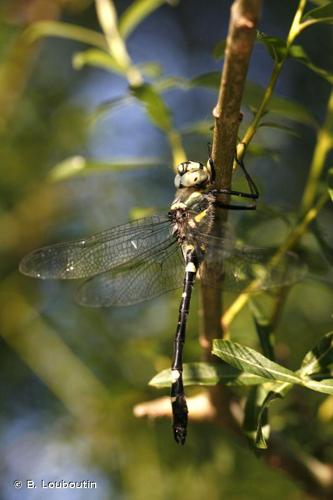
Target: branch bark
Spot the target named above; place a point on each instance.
(240, 41)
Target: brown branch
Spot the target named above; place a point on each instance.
(240, 40)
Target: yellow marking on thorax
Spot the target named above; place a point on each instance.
(200, 216)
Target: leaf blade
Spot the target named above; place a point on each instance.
(245, 358)
(201, 373)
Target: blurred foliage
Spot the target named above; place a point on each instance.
(71, 376)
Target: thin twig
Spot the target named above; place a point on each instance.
(253, 126)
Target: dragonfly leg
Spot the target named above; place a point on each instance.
(253, 193)
(178, 401)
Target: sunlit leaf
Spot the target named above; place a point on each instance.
(319, 359)
(140, 212)
(78, 165)
(150, 69)
(323, 14)
(249, 360)
(330, 182)
(218, 51)
(157, 110)
(65, 30)
(276, 47)
(99, 59)
(137, 12)
(324, 386)
(208, 374)
(298, 53)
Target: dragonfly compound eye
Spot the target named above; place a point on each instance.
(192, 174)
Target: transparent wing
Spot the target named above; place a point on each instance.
(240, 265)
(161, 273)
(118, 246)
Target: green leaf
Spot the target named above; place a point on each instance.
(202, 127)
(208, 374)
(150, 69)
(219, 49)
(171, 82)
(319, 359)
(249, 360)
(157, 110)
(322, 14)
(276, 47)
(65, 30)
(264, 330)
(211, 80)
(281, 127)
(330, 182)
(99, 59)
(78, 165)
(137, 12)
(298, 53)
(256, 425)
(325, 241)
(253, 95)
(324, 386)
(280, 106)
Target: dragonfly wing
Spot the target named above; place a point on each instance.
(161, 273)
(244, 265)
(120, 245)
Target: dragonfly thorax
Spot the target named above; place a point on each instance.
(193, 174)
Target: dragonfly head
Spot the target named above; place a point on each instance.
(194, 174)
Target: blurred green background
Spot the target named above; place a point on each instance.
(71, 375)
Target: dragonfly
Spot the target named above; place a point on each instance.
(145, 258)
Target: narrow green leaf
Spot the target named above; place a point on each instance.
(276, 47)
(298, 53)
(330, 182)
(78, 165)
(211, 80)
(137, 12)
(253, 95)
(171, 82)
(249, 360)
(280, 106)
(65, 30)
(150, 69)
(256, 425)
(324, 386)
(281, 127)
(264, 330)
(157, 110)
(208, 374)
(202, 127)
(319, 358)
(219, 49)
(99, 59)
(321, 14)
